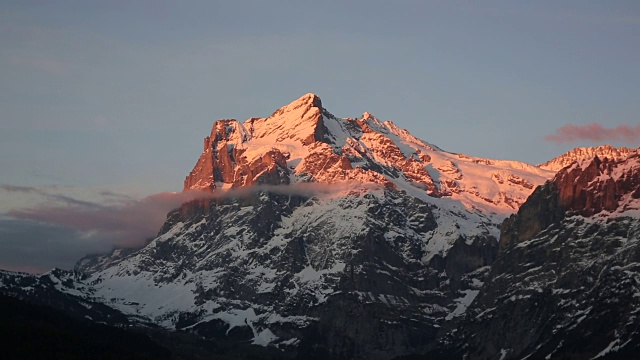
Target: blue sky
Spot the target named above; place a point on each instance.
(119, 95)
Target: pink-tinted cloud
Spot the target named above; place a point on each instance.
(130, 222)
(595, 132)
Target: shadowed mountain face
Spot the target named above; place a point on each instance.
(348, 238)
(39, 332)
(566, 281)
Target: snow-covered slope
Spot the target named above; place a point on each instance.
(587, 153)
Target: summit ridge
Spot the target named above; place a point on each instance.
(587, 153)
(302, 141)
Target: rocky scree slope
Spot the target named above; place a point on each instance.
(566, 283)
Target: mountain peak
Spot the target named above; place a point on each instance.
(310, 98)
(367, 115)
(306, 101)
(303, 142)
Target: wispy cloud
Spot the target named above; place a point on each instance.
(128, 222)
(125, 223)
(595, 132)
(47, 194)
(21, 189)
(60, 228)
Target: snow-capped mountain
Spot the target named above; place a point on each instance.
(587, 153)
(347, 236)
(353, 214)
(566, 282)
(303, 142)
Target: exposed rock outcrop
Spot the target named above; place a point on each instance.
(565, 283)
(599, 185)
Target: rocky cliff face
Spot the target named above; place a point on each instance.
(600, 185)
(565, 283)
(223, 161)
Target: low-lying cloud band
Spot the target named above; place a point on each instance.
(122, 221)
